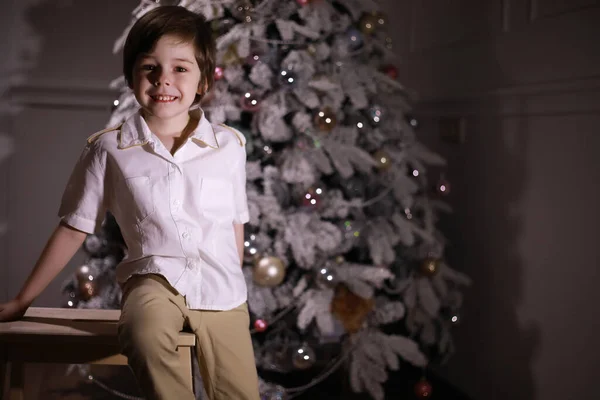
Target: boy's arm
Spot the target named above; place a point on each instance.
(239, 240)
(62, 245)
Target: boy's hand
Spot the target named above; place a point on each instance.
(12, 311)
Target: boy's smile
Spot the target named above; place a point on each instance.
(165, 83)
(163, 99)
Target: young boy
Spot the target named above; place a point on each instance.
(176, 186)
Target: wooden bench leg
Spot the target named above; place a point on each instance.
(185, 363)
(3, 379)
(14, 376)
(3, 372)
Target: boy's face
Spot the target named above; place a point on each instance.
(167, 79)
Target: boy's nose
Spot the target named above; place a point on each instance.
(161, 81)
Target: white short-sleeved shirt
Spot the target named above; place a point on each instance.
(176, 212)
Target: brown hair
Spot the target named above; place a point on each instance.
(176, 21)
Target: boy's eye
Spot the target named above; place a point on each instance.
(148, 67)
(181, 69)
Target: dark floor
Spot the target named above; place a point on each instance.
(50, 382)
(399, 386)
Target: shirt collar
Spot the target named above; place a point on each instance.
(204, 132)
(135, 131)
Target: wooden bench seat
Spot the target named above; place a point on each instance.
(72, 336)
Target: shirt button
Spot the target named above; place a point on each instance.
(185, 235)
(176, 203)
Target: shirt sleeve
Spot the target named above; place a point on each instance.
(83, 201)
(239, 191)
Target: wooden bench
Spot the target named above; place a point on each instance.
(63, 335)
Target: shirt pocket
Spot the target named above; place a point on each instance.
(140, 197)
(216, 199)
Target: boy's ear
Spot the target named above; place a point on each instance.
(202, 88)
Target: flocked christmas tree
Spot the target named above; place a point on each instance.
(342, 246)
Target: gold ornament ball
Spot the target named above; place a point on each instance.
(430, 266)
(382, 159)
(268, 271)
(368, 23)
(325, 119)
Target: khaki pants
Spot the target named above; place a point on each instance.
(153, 314)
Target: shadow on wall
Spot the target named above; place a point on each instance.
(494, 350)
(488, 174)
